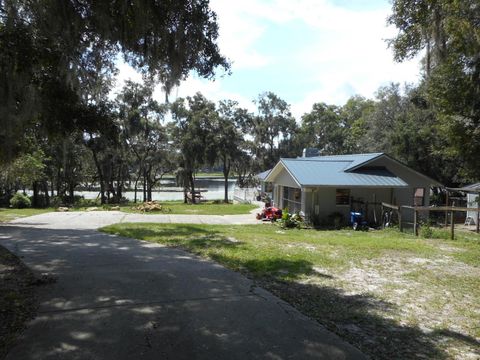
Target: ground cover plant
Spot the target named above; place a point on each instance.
(390, 294)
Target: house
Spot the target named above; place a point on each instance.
(472, 192)
(322, 185)
(265, 188)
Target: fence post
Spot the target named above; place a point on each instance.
(478, 216)
(452, 227)
(446, 211)
(400, 226)
(415, 225)
(382, 219)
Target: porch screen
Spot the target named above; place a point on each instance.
(292, 199)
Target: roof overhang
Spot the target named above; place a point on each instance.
(432, 181)
(276, 171)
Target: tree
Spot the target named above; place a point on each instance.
(354, 114)
(59, 47)
(402, 124)
(193, 135)
(448, 31)
(273, 124)
(142, 133)
(228, 137)
(324, 129)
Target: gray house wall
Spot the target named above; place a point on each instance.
(321, 201)
(404, 196)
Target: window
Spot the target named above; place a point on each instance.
(419, 197)
(292, 199)
(342, 197)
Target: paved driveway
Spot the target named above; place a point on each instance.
(119, 298)
(96, 219)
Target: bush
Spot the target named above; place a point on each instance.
(82, 202)
(56, 201)
(289, 221)
(20, 201)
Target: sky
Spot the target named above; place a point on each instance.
(305, 51)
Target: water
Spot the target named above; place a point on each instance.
(169, 191)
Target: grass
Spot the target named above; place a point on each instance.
(173, 207)
(11, 214)
(390, 294)
(204, 208)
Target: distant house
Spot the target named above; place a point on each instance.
(472, 192)
(266, 188)
(322, 185)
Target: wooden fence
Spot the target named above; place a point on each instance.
(418, 209)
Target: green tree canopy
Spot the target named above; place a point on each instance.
(55, 56)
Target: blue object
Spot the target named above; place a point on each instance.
(355, 217)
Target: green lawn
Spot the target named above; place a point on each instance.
(204, 208)
(11, 214)
(390, 294)
(171, 207)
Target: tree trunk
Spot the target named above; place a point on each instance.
(144, 187)
(192, 186)
(35, 194)
(100, 178)
(71, 190)
(226, 171)
(136, 187)
(45, 190)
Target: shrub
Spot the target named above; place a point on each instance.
(20, 201)
(56, 201)
(82, 202)
(289, 221)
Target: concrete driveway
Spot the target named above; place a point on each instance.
(119, 298)
(96, 219)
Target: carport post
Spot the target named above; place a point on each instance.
(400, 227)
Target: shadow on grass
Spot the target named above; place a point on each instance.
(363, 320)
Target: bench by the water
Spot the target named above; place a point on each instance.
(197, 194)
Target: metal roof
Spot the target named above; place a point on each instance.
(263, 175)
(472, 188)
(334, 171)
(355, 159)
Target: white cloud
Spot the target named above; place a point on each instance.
(348, 55)
(239, 31)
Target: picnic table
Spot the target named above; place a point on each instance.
(197, 194)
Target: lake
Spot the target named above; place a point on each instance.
(169, 191)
